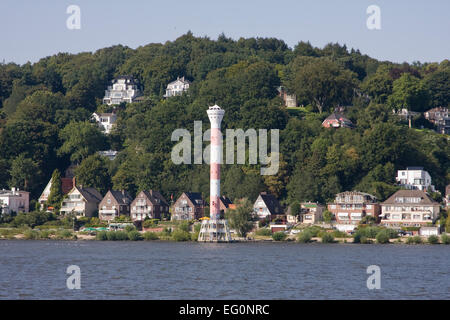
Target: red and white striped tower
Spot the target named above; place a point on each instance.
(215, 229)
(215, 115)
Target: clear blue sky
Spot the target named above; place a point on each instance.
(411, 30)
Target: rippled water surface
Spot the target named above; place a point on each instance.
(166, 270)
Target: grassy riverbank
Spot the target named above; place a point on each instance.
(47, 226)
(131, 234)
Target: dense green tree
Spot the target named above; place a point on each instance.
(45, 108)
(56, 194)
(24, 173)
(93, 172)
(324, 84)
(295, 208)
(240, 218)
(409, 92)
(41, 105)
(386, 143)
(378, 86)
(81, 139)
(438, 85)
(239, 184)
(305, 49)
(4, 173)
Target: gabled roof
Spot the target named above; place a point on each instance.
(90, 194)
(338, 116)
(438, 109)
(226, 201)
(184, 81)
(194, 196)
(415, 193)
(121, 196)
(271, 203)
(103, 114)
(66, 186)
(126, 77)
(152, 195)
(413, 168)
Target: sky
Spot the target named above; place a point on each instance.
(410, 30)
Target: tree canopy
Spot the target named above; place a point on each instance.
(45, 109)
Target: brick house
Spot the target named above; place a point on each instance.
(409, 208)
(337, 120)
(114, 204)
(149, 204)
(440, 117)
(225, 204)
(189, 206)
(351, 206)
(267, 206)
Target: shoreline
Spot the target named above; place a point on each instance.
(338, 241)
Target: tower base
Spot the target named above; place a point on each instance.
(214, 231)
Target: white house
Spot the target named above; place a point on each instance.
(110, 154)
(415, 178)
(14, 201)
(66, 185)
(177, 87)
(105, 121)
(123, 89)
(409, 208)
(267, 206)
(83, 202)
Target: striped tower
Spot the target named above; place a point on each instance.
(215, 229)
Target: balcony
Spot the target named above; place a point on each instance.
(108, 211)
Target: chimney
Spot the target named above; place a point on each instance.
(74, 183)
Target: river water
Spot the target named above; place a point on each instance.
(170, 270)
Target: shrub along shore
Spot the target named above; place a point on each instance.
(47, 226)
(370, 235)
